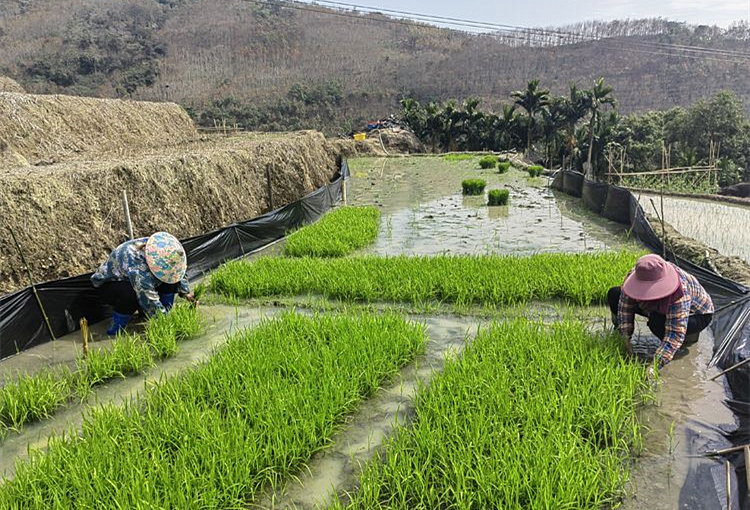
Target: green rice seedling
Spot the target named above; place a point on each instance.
(528, 417)
(473, 186)
(458, 157)
(129, 354)
(503, 167)
(463, 280)
(488, 161)
(212, 437)
(338, 233)
(535, 170)
(33, 397)
(498, 197)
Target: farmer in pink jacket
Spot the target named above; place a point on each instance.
(677, 306)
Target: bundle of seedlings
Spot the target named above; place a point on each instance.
(338, 233)
(535, 170)
(212, 437)
(473, 186)
(28, 398)
(487, 162)
(503, 167)
(464, 280)
(498, 197)
(528, 417)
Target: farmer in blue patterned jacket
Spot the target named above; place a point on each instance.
(143, 274)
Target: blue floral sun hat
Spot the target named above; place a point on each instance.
(166, 257)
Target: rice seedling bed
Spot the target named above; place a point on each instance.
(490, 280)
(338, 233)
(29, 398)
(250, 415)
(528, 417)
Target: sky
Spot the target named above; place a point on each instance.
(544, 13)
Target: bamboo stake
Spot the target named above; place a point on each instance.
(726, 450)
(736, 365)
(85, 334)
(31, 283)
(126, 207)
(747, 470)
(729, 485)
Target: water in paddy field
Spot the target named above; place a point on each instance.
(219, 321)
(724, 227)
(424, 212)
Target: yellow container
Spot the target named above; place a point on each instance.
(360, 136)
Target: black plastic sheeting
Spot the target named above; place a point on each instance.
(594, 195)
(572, 183)
(705, 486)
(67, 301)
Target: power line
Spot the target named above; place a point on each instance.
(520, 33)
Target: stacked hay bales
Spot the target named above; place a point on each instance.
(10, 85)
(42, 130)
(68, 216)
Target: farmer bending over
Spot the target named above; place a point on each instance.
(143, 274)
(677, 306)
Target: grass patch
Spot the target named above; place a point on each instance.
(490, 279)
(473, 186)
(211, 438)
(503, 167)
(338, 233)
(29, 398)
(528, 417)
(535, 170)
(458, 157)
(498, 197)
(487, 162)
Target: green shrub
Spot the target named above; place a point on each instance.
(473, 186)
(503, 166)
(498, 197)
(535, 170)
(488, 162)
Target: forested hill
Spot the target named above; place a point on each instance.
(269, 66)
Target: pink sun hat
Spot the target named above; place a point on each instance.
(654, 278)
(166, 257)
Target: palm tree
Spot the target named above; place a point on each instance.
(533, 99)
(599, 96)
(577, 108)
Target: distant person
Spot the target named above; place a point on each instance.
(143, 274)
(677, 306)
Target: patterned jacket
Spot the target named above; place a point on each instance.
(128, 262)
(694, 300)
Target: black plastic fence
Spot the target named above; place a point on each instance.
(67, 301)
(705, 484)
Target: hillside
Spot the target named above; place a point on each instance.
(270, 67)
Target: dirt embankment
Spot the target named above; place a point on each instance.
(68, 216)
(733, 268)
(43, 130)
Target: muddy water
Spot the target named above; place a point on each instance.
(424, 212)
(220, 320)
(682, 423)
(337, 468)
(725, 227)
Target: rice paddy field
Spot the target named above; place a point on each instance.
(719, 225)
(416, 350)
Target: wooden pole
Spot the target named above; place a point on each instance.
(736, 365)
(343, 189)
(126, 207)
(31, 283)
(270, 188)
(727, 450)
(747, 469)
(729, 485)
(85, 334)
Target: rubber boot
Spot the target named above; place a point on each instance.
(167, 300)
(119, 323)
(691, 338)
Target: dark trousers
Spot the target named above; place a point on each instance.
(122, 297)
(656, 321)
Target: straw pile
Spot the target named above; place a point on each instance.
(10, 85)
(69, 216)
(380, 143)
(42, 130)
